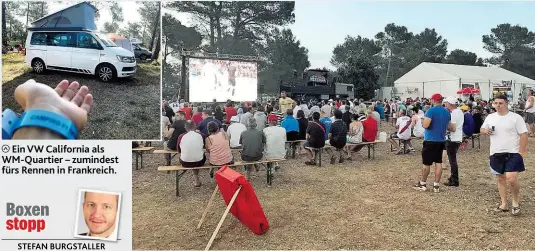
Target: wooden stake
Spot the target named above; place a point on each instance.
(208, 207)
(223, 218)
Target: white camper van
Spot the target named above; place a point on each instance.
(80, 51)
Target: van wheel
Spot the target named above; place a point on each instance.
(143, 57)
(106, 73)
(38, 66)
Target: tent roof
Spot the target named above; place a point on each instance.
(116, 36)
(429, 72)
(70, 7)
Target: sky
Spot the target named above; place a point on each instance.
(130, 13)
(320, 25)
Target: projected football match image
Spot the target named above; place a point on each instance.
(222, 80)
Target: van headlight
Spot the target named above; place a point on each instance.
(126, 59)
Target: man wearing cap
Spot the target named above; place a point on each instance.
(234, 131)
(436, 123)
(275, 147)
(285, 102)
(454, 139)
(469, 125)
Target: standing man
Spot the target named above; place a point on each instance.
(530, 113)
(285, 103)
(454, 139)
(508, 141)
(436, 123)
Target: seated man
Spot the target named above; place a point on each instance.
(290, 124)
(252, 142)
(404, 125)
(190, 146)
(234, 131)
(337, 137)
(315, 137)
(275, 147)
(176, 130)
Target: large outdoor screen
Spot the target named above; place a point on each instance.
(211, 79)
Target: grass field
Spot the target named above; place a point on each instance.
(125, 109)
(363, 204)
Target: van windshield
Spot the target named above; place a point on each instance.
(105, 40)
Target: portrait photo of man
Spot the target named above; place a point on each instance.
(98, 215)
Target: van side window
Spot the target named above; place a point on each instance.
(38, 38)
(61, 39)
(86, 41)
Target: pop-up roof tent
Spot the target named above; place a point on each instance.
(80, 16)
(121, 41)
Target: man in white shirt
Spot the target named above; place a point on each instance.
(234, 131)
(454, 139)
(508, 141)
(305, 109)
(275, 147)
(404, 127)
(190, 147)
(297, 108)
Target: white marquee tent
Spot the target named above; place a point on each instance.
(429, 78)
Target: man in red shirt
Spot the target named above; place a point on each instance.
(187, 110)
(230, 111)
(370, 128)
(197, 117)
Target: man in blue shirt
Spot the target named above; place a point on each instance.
(326, 121)
(207, 116)
(436, 123)
(291, 125)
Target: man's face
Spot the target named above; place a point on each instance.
(283, 94)
(100, 212)
(204, 116)
(500, 105)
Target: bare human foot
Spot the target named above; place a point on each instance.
(68, 99)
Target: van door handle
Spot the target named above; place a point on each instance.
(102, 54)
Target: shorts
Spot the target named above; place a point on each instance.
(530, 118)
(193, 164)
(337, 144)
(432, 152)
(501, 163)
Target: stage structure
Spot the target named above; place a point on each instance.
(208, 76)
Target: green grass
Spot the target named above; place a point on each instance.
(125, 109)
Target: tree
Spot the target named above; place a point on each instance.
(116, 18)
(284, 56)
(394, 40)
(4, 26)
(506, 40)
(361, 73)
(177, 36)
(355, 47)
(150, 18)
(131, 30)
(426, 46)
(461, 57)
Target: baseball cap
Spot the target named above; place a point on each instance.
(464, 108)
(273, 117)
(452, 100)
(234, 119)
(437, 97)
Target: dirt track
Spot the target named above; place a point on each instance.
(363, 204)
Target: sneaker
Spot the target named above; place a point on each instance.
(436, 189)
(419, 187)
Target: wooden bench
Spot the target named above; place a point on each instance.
(180, 171)
(138, 151)
(402, 142)
(292, 146)
(170, 154)
(370, 145)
